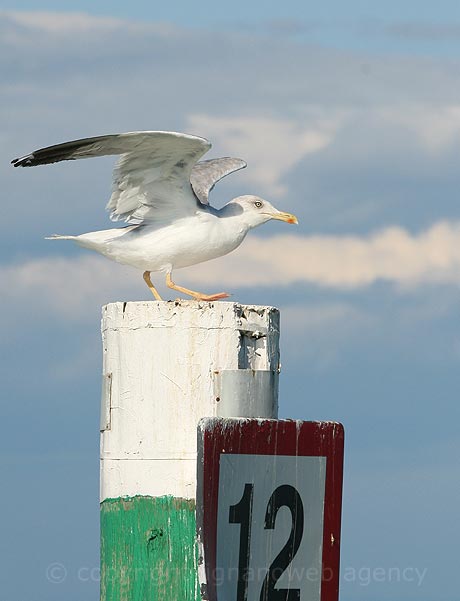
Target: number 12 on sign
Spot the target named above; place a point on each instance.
(269, 509)
(283, 496)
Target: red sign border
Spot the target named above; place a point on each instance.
(270, 437)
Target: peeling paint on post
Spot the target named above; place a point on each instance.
(165, 366)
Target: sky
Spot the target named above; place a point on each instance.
(348, 115)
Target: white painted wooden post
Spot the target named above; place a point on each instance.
(166, 365)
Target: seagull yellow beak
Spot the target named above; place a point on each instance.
(288, 217)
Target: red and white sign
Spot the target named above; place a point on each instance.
(269, 508)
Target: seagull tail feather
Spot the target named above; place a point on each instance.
(59, 237)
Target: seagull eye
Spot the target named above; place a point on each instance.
(258, 204)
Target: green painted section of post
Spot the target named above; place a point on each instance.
(149, 550)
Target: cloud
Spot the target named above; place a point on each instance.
(393, 255)
(65, 287)
(272, 146)
(436, 127)
(62, 22)
(344, 262)
(240, 70)
(354, 151)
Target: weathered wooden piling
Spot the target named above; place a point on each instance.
(165, 366)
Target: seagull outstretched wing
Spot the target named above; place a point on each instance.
(157, 177)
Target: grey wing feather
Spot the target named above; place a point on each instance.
(206, 174)
(112, 144)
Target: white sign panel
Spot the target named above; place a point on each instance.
(269, 527)
(269, 498)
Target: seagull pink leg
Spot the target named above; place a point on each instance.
(152, 288)
(192, 293)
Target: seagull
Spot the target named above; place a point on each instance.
(161, 189)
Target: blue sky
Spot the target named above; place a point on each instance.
(207, 12)
(348, 115)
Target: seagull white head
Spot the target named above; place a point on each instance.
(256, 211)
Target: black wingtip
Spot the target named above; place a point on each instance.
(23, 161)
